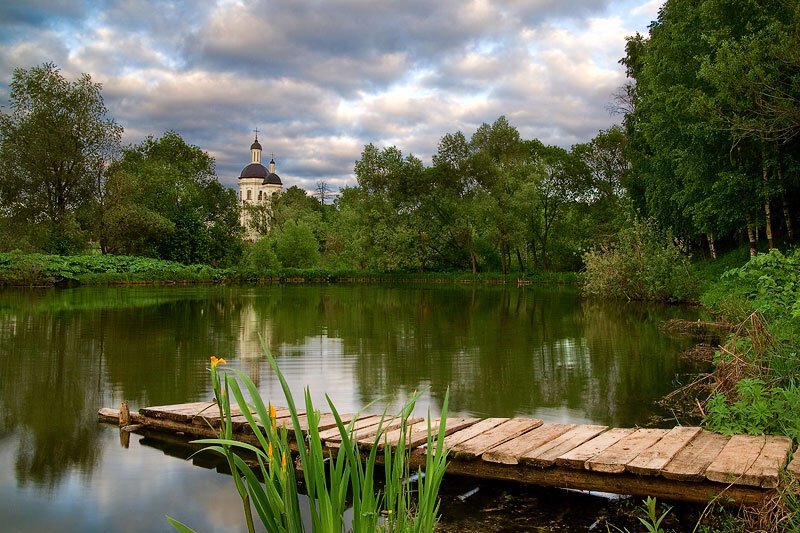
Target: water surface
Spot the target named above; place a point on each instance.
(502, 351)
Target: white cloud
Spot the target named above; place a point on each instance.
(323, 79)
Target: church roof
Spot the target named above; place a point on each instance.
(255, 170)
(256, 145)
(272, 179)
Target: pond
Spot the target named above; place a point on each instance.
(502, 351)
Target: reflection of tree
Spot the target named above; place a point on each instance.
(503, 352)
(48, 395)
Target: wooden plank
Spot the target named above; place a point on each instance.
(739, 454)
(651, 461)
(690, 463)
(326, 421)
(369, 433)
(476, 429)
(181, 412)
(239, 421)
(794, 465)
(510, 452)
(361, 423)
(480, 444)
(613, 459)
(577, 457)
(546, 454)
(764, 472)
(417, 434)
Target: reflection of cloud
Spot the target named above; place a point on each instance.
(323, 79)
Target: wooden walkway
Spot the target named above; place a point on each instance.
(682, 463)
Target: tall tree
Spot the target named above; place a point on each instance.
(54, 143)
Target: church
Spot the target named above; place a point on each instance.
(257, 186)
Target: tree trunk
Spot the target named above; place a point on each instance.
(503, 265)
(472, 257)
(750, 235)
(711, 247)
(535, 257)
(519, 260)
(767, 211)
(787, 214)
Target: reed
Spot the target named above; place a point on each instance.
(331, 478)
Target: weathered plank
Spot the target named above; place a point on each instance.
(654, 459)
(510, 452)
(181, 412)
(613, 459)
(691, 462)
(326, 421)
(480, 444)
(363, 422)
(464, 435)
(739, 454)
(417, 434)
(546, 454)
(370, 432)
(577, 457)
(764, 471)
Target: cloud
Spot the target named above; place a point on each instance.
(322, 79)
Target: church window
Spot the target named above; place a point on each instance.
(259, 196)
(249, 194)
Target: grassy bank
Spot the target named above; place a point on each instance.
(27, 270)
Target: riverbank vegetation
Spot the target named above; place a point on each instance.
(333, 484)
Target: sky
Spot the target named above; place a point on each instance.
(320, 79)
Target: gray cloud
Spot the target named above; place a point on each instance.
(321, 79)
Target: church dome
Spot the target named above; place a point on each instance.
(256, 145)
(255, 170)
(272, 179)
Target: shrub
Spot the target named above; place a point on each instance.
(260, 258)
(297, 247)
(644, 264)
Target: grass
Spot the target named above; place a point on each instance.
(331, 479)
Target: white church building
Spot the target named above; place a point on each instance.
(257, 185)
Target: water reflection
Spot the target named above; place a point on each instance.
(502, 352)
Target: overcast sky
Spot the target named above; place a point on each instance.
(320, 79)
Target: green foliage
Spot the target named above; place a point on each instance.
(55, 144)
(260, 258)
(296, 247)
(757, 410)
(162, 199)
(38, 269)
(766, 399)
(644, 264)
(651, 520)
(328, 480)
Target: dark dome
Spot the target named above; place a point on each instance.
(255, 145)
(255, 170)
(272, 179)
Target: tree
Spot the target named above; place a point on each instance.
(297, 247)
(169, 190)
(54, 144)
(322, 191)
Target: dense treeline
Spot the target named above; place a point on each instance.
(490, 202)
(708, 151)
(712, 119)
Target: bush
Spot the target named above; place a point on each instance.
(260, 258)
(297, 247)
(644, 264)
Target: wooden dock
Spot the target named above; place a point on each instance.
(682, 463)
